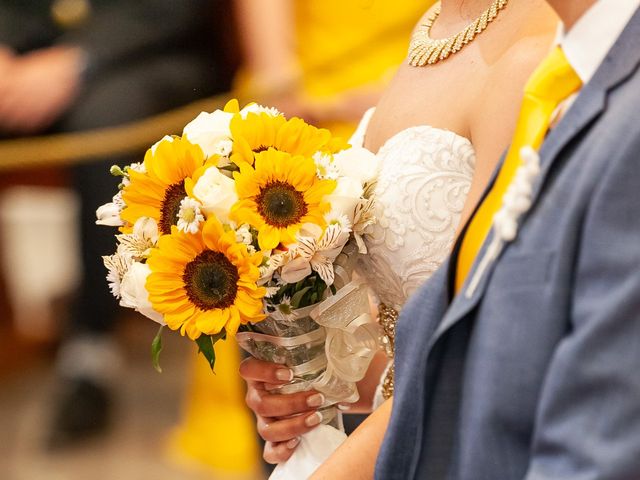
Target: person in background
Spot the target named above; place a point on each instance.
(71, 65)
(326, 61)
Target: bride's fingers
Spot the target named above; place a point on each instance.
(267, 404)
(276, 431)
(252, 369)
(279, 452)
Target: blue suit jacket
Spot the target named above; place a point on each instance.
(537, 374)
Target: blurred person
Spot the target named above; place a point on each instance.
(71, 65)
(326, 61)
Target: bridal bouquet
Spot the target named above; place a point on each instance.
(248, 225)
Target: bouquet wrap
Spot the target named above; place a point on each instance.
(328, 346)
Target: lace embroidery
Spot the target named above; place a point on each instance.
(424, 180)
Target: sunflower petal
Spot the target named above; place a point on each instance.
(268, 237)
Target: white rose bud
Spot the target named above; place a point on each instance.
(134, 294)
(357, 163)
(345, 197)
(217, 193)
(210, 131)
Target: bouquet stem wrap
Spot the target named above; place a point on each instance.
(329, 346)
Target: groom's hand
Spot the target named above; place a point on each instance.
(281, 418)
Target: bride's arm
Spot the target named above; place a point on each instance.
(355, 459)
(267, 34)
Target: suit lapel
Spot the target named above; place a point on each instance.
(621, 61)
(618, 65)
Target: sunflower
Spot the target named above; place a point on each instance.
(158, 191)
(279, 195)
(206, 282)
(256, 132)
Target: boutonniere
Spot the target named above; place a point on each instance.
(515, 203)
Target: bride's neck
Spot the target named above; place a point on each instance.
(570, 11)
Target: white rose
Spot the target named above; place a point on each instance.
(217, 193)
(210, 131)
(357, 163)
(345, 197)
(109, 214)
(134, 294)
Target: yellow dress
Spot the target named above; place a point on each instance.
(347, 44)
(342, 45)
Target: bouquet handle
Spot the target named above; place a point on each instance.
(314, 448)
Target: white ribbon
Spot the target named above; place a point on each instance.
(351, 342)
(350, 336)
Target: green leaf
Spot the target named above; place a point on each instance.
(206, 344)
(297, 297)
(156, 348)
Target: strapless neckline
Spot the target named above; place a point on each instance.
(360, 135)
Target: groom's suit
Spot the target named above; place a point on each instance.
(536, 375)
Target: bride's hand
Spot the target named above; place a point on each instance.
(281, 418)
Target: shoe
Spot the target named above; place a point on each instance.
(83, 411)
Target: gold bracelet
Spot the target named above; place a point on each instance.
(387, 317)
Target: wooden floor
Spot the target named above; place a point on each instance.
(147, 407)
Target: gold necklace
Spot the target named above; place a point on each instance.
(423, 50)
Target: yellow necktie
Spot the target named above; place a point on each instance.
(552, 82)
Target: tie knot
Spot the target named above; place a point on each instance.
(554, 79)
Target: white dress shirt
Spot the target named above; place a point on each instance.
(589, 41)
(593, 35)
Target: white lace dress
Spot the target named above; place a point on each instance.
(424, 179)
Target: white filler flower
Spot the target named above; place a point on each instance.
(317, 254)
(189, 216)
(118, 265)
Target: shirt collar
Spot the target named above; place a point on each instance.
(593, 35)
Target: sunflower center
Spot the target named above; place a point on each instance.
(171, 207)
(280, 204)
(211, 281)
(261, 148)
